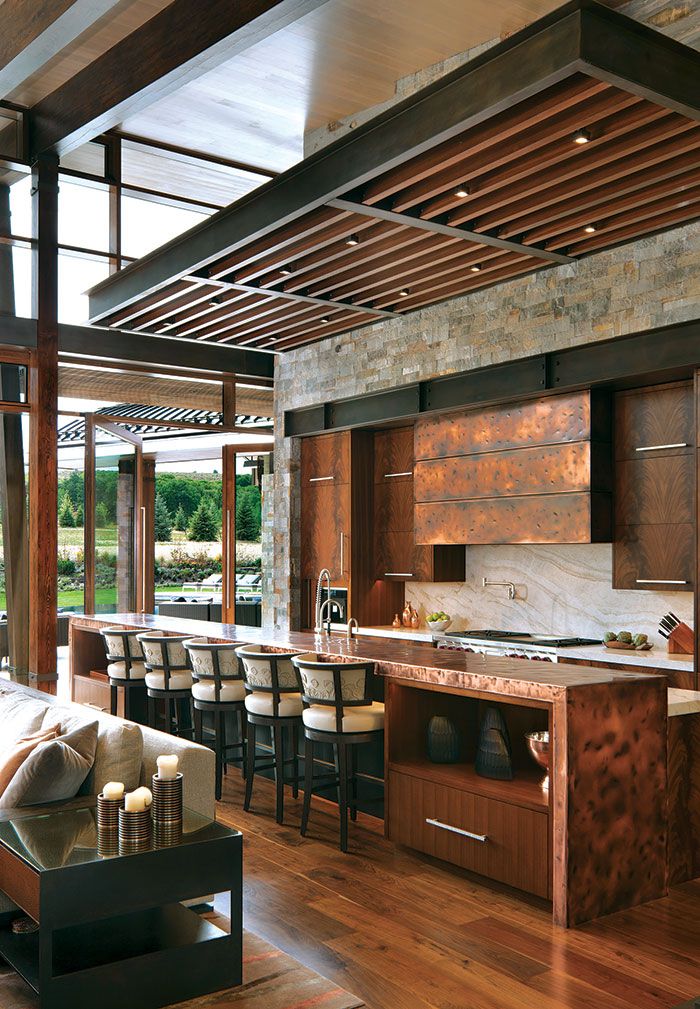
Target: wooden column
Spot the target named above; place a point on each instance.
(43, 492)
(228, 402)
(89, 511)
(15, 533)
(228, 535)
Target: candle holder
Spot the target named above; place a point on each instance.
(166, 835)
(134, 830)
(108, 825)
(167, 801)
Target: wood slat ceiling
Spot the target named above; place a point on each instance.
(502, 199)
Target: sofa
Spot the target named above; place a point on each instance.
(124, 751)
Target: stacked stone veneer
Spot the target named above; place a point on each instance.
(651, 283)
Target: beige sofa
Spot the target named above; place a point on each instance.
(123, 748)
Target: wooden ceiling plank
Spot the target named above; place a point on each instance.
(254, 318)
(671, 219)
(638, 215)
(341, 324)
(569, 228)
(447, 279)
(560, 128)
(323, 302)
(253, 334)
(204, 315)
(305, 338)
(510, 123)
(467, 287)
(669, 128)
(159, 298)
(600, 185)
(35, 31)
(165, 314)
(171, 49)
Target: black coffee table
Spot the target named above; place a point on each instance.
(112, 931)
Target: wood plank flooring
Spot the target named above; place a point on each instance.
(403, 932)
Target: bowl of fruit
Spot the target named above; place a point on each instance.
(627, 640)
(439, 621)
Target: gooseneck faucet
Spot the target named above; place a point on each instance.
(324, 575)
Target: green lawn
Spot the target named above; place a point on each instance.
(104, 538)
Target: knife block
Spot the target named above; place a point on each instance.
(681, 640)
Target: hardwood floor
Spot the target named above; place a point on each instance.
(402, 932)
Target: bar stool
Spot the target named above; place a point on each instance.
(168, 678)
(126, 668)
(339, 710)
(273, 700)
(219, 688)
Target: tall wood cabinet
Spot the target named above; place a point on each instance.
(654, 545)
(397, 556)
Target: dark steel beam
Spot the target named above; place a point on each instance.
(278, 292)
(669, 353)
(176, 46)
(481, 238)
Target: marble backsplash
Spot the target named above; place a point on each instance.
(559, 590)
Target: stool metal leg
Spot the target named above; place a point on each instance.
(250, 765)
(343, 790)
(308, 783)
(218, 749)
(278, 737)
(113, 700)
(244, 751)
(295, 761)
(198, 726)
(151, 716)
(353, 782)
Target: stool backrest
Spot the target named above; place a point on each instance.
(338, 685)
(123, 646)
(213, 660)
(268, 671)
(164, 652)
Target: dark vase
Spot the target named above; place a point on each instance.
(493, 751)
(443, 741)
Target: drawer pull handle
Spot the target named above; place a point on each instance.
(661, 581)
(319, 479)
(89, 704)
(408, 472)
(482, 838)
(398, 574)
(658, 448)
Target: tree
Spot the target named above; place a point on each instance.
(101, 515)
(203, 527)
(162, 521)
(66, 517)
(247, 528)
(180, 520)
(79, 516)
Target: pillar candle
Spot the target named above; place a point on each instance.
(167, 767)
(145, 794)
(134, 803)
(113, 790)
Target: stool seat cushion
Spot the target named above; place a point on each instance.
(368, 718)
(177, 681)
(231, 690)
(117, 671)
(260, 703)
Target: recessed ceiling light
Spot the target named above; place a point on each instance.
(590, 228)
(404, 293)
(581, 137)
(475, 268)
(216, 300)
(462, 192)
(285, 270)
(325, 318)
(352, 240)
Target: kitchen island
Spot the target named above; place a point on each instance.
(596, 841)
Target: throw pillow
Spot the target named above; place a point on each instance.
(54, 771)
(21, 716)
(13, 757)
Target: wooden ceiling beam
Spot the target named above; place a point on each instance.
(668, 214)
(448, 278)
(320, 328)
(35, 31)
(465, 286)
(239, 305)
(298, 296)
(253, 319)
(377, 239)
(300, 324)
(181, 318)
(410, 221)
(174, 47)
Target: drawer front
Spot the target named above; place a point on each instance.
(654, 422)
(393, 455)
(654, 491)
(326, 459)
(19, 882)
(659, 558)
(510, 842)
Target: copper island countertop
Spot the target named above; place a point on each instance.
(408, 660)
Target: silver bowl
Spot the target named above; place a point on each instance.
(538, 745)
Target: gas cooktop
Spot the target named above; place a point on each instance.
(523, 638)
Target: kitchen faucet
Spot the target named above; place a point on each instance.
(324, 575)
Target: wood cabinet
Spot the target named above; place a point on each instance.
(397, 556)
(533, 472)
(654, 546)
(325, 506)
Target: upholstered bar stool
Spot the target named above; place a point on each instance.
(168, 679)
(338, 710)
(218, 688)
(272, 700)
(125, 666)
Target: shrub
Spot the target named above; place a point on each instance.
(66, 516)
(101, 515)
(247, 528)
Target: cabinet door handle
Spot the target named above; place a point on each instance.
(482, 838)
(398, 574)
(342, 553)
(319, 479)
(657, 448)
(661, 581)
(408, 472)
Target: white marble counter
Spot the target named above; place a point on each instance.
(655, 658)
(683, 702)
